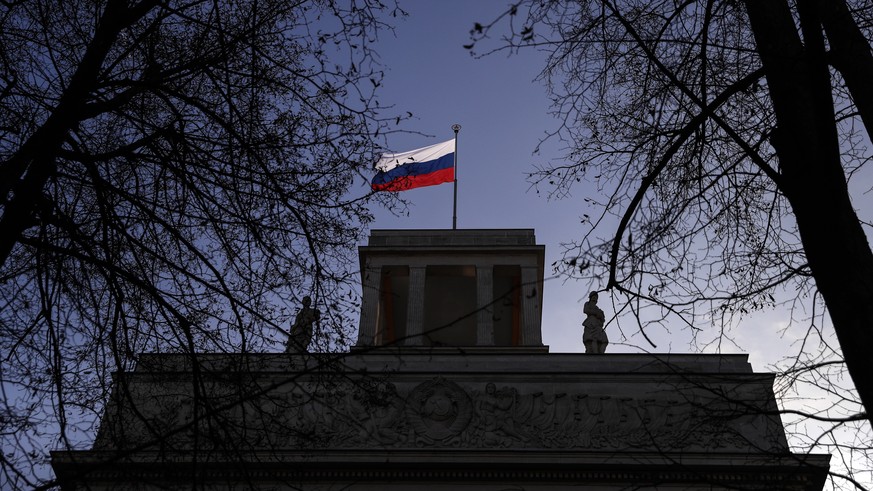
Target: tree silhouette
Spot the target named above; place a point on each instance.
(174, 177)
(729, 139)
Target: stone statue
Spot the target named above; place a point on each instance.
(594, 336)
(301, 331)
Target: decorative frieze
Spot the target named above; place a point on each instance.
(440, 413)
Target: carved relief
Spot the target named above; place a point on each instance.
(441, 413)
(438, 410)
(497, 417)
(381, 415)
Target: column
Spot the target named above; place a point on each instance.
(370, 285)
(484, 305)
(415, 306)
(531, 300)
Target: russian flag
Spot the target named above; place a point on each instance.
(426, 166)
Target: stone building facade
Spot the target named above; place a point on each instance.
(449, 387)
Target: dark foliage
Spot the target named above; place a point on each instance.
(174, 177)
(728, 140)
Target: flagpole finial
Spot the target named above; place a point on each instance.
(456, 127)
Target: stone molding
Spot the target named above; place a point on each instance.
(778, 473)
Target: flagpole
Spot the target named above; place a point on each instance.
(456, 128)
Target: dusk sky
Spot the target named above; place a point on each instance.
(504, 113)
